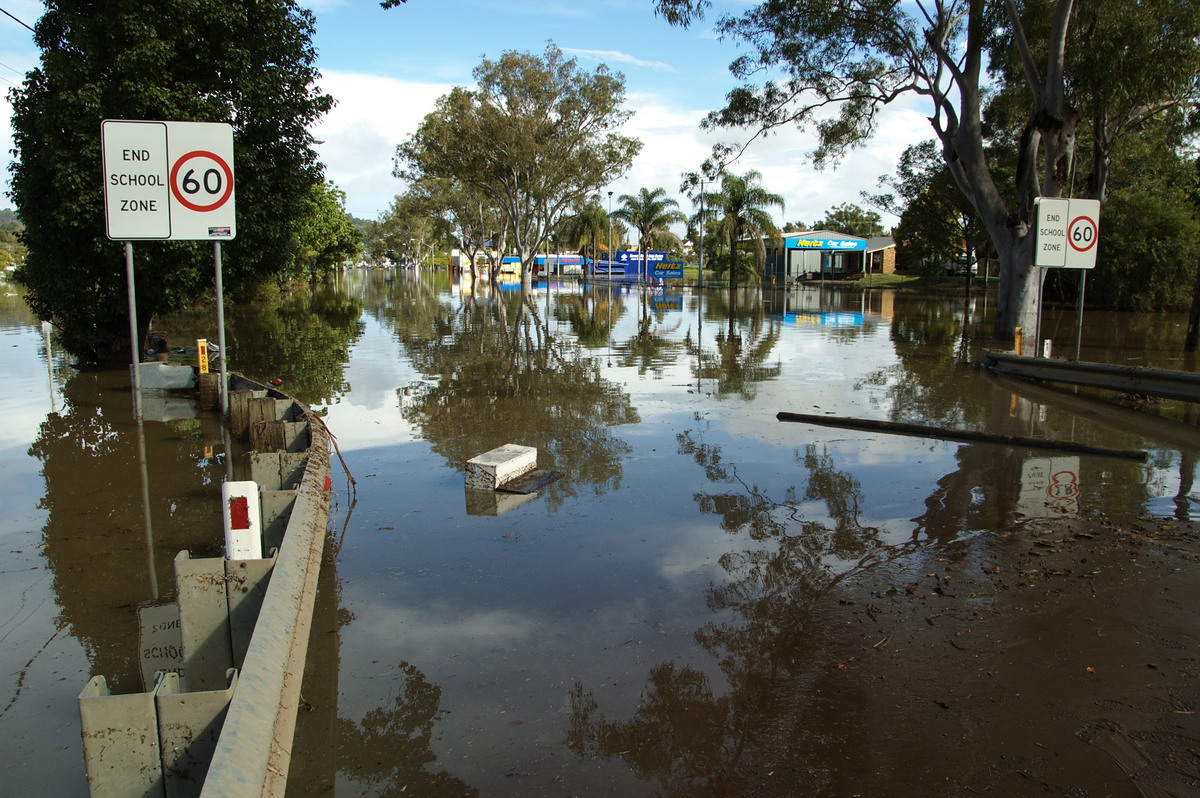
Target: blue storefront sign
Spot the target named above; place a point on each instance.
(626, 256)
(823, 242)
(668, 269)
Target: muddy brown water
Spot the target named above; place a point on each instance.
(710, 602)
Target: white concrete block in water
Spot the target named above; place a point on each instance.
(166, 377)
(492, 469)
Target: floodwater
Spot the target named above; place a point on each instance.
(708, 602)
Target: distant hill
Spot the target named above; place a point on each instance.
(9, 220)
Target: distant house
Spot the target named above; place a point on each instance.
(828, 255)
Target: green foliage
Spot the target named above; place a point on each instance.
(651, 212)
(326, 235)
(938, 225)
(740, 207)
(537, 136)
(586, 230)
(852, 220)
(1147, 251)
(247, 64)
(1107, 67)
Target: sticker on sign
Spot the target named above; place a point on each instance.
(168, 180)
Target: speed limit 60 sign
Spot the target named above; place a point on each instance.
(1068, 231)
(168, 180)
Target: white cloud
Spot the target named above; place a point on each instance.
(616, 56)
(359, 136)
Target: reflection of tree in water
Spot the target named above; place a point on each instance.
(649, 350)
(389, 749)
(926, 385)
(936, 382)
(303, 340)
(95, 540)
(495, 375)
(684, 737)
(739, 361)
(591, 314)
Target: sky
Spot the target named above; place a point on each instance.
(387, 68)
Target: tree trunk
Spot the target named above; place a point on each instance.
(1017, 303)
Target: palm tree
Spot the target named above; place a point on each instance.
(741, 205)
(651, 212)
(588, 225)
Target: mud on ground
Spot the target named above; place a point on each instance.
(1058, 659)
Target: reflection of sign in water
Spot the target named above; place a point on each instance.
(160, 641)
(834, 319)
(667, 301)
(667, 269)
(1049, 487)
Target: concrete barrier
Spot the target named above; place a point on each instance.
(225, 727)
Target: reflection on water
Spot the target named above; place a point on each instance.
(658, 621)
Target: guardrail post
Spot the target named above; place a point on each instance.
(189, 725)
(120, 743)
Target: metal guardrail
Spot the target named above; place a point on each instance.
(225, 728)
(1181, 385)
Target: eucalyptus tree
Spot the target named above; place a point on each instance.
(1122, 63)
(852, 220)
(537, 135)
(470, 216)
(740, 204)
(326, 237)
(251, 65)
(937, 223)
(651, 212)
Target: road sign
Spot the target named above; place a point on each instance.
(1068, 231)
(168, 180)
(1051, 226)
(1083, 234)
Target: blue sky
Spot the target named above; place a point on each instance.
(386, 69)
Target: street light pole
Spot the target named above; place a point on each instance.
(610, 257)
(702, 234)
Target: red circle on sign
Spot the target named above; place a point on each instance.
(1087, 244)
(221, 200)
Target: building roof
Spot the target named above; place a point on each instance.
(880, 242)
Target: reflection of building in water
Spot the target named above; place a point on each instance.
(830, 306)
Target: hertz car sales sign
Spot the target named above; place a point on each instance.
(168, 180)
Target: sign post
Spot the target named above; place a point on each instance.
(169, 181)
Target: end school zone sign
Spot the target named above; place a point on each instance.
(168, 180)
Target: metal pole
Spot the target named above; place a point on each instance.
(134, 343)
(1037, 336)
(135, 346)
(702, 234)
(1079, 324)
(221, 328)
(610, 257)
